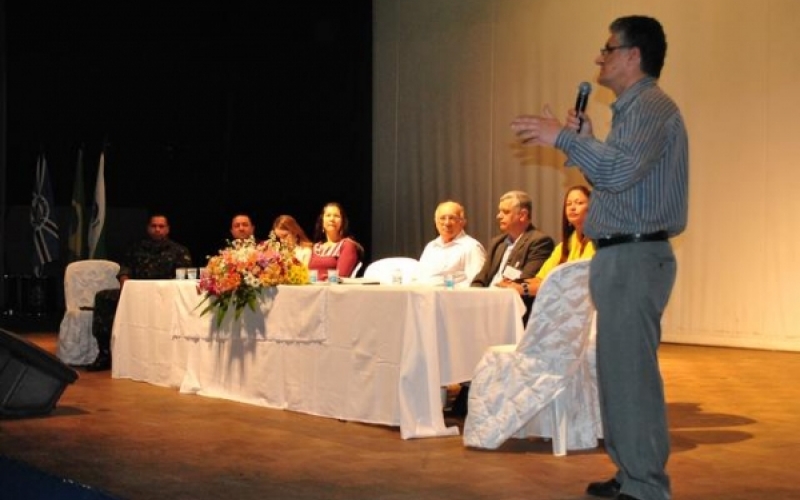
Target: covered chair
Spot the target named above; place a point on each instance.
(383, 269)
(82, 280)
(356, 269)
(546, 385)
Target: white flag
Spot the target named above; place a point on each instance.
(97, 244)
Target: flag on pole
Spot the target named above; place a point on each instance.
(97, 239)
(45, 229)
(77, 222)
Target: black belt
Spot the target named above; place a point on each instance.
(618, 239)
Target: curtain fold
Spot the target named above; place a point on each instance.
(451, 74)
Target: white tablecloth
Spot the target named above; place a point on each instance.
(376, 354)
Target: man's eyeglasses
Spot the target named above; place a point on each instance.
(446, 218)
(609, 49)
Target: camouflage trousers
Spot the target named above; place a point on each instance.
(105, 307)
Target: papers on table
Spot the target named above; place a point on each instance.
(360, 281)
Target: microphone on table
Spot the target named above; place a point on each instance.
(584, 89)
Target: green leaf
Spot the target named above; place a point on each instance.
(220, 315)
(253, 303)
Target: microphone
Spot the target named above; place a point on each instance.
(584, 89)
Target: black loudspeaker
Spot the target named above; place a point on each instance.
(31, 379)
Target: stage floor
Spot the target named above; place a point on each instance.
(734, 421)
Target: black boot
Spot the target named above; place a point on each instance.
(102, 362)
(459, 408)
(105, 304)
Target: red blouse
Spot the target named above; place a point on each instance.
(342, 256)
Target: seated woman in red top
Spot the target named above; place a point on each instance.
(333, 246)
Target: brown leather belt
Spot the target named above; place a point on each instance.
(619, 239)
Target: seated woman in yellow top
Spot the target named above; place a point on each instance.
(574, 244)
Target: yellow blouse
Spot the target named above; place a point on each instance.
(575, 253)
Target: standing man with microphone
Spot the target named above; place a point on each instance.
(640, 199)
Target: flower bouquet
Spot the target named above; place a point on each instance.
(237, 274)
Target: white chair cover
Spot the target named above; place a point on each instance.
(383, 269)
(82, 280)
(546, 385)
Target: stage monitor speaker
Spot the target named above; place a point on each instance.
(31, 379)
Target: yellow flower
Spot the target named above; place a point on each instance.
(236, 275)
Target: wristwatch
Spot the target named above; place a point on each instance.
(526, 292)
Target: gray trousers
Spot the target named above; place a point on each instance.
(630, 285)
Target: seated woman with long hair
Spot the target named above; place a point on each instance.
(574, 244)
(290, 233)
(333, 247)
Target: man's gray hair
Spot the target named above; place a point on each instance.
(521, 199)
(459, 208)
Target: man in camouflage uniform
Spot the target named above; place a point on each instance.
(152, 258)
(242, 227)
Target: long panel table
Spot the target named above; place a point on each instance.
(375, 354)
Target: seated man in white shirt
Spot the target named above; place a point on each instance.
(453, 252)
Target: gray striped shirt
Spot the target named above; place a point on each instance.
(640, 174)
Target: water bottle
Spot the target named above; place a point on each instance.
(397, 277)
(449, 281)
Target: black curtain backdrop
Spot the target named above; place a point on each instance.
(208, 108)
(3, 182)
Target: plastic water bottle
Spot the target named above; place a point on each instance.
(397, 277)
(449, 281)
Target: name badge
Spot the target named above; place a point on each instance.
(511, 273)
